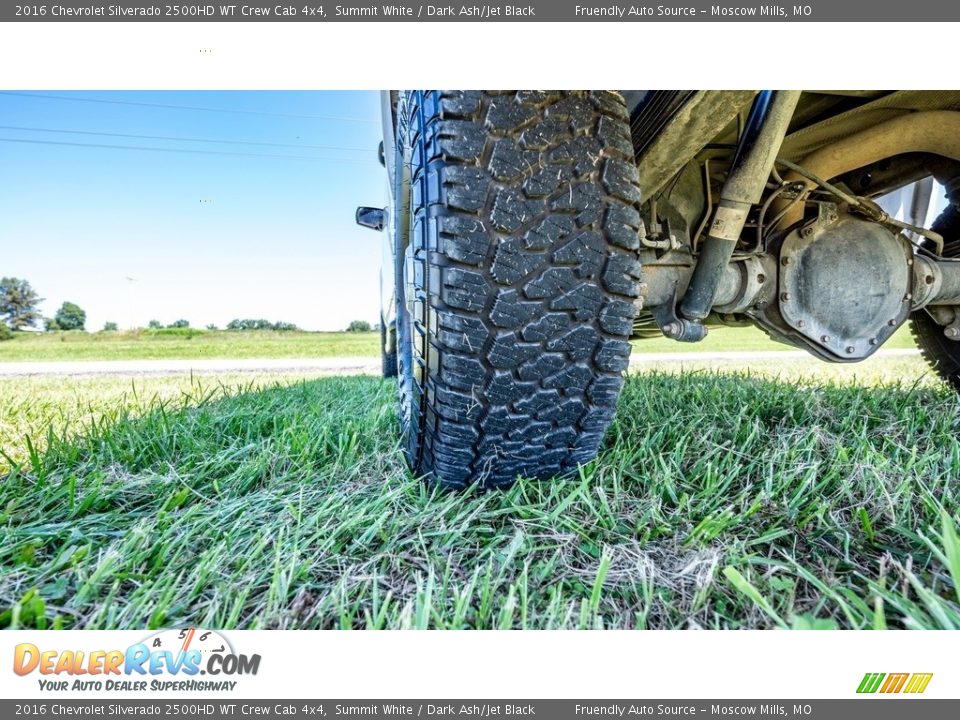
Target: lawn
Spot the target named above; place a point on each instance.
(187, 345)
(195, 344)
(720, 500)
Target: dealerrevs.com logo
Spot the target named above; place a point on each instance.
(169, 660)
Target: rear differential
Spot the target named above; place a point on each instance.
(845, 284)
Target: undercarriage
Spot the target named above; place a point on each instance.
(778, 220)
(530, 235)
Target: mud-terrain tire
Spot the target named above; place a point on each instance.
(388, 358)
(517, 277)
(941, 353)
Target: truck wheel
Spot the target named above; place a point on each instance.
(517, 277)
(388, 358)
(941, 353)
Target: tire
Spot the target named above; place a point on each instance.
(517, 279)
(941, 353)
(388, 359)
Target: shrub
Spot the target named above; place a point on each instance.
(249, 324)
(71, 316)
(5, 332)
(154, 325)
(259, 324)
(179, 324)
(50, 325)
(359, 326)
(185, 332)
(110, 326)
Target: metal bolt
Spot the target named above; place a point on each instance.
(909, 261)
(850, 349)
(785, 297)
(761, 278)
(800, 323)
(873, 341)
(785, 260)
(825, 338)
(670, 329)
(952, 332)
(907, 297)
(891, 323)
(928, 279)
(807, 232)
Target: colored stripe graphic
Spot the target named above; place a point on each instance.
(918, 682)
(894, 683)
(870, 682)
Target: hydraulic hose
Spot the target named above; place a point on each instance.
(753, 160)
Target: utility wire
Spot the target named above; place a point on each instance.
(186, 139)
(188, 107)
(176, 150)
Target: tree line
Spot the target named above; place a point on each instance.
(20, 309)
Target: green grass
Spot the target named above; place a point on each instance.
(195, 344)
(149, 345)
(719, 500)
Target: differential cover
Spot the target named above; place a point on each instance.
(845, 285)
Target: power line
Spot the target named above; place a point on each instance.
(188, 107)
(176, 150)
(186, 139)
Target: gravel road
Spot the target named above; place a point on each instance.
(339, 366)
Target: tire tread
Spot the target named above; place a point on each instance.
(524, 236)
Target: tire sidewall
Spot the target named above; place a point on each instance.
(408, 410)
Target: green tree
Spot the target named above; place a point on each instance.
(50, 324)
(110, 326)
(18, 303)
(179, 324)
(154, 325)
(249, 324)
(358, 326)
(5, 332)
(71, 316)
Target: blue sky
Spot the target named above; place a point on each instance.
(230, 229)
